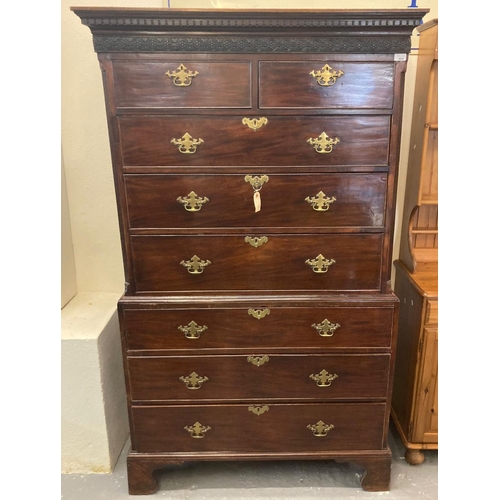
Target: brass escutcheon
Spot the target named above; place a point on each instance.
(193, 381)
(323, 144)
(321, 202)
(192, 330)
(255, 123)
(256, 181)
(258, 409)
(259, 313)
(187, 144)
(256, 241)
(320, 264)
(326, 76)
(325, 328)
(195, 265)
(192, 202)
(182, 77)
(320, 429)
(197, 430)
(323, 378)
(258, 360)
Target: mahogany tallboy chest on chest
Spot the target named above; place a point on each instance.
(255, 158)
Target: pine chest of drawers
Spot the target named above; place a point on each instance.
(255, 158)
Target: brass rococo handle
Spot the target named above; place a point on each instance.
(193, 381)
(323, 144)
(259, 313)
(187, 144)
(182, 77)
(255, 123)
(321, 202)
(323, 378)
(326, 328)
(326, 76)
(192, 202)
(192, 330)
(256, 181)
(320, 429)
(195, 265)
(197, 430)
(320, 264)
(258, 360)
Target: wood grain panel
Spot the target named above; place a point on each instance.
(234, 428)
(290, 85)
(359, 201)
(146, 141)
(284, 327)
(217, 85)
(279, 264)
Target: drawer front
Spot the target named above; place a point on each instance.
(283, 262)
(291, 84)
(197, 85)
(315, 200)
(288, 140)
(263, 326)
(273, 376)
(431, 314)
(281, 428)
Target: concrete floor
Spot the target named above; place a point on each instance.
(304, 480)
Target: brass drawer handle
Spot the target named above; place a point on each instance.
(320, 264)
(187, 144)
(323, 378)
(255, 123)
(326, 76)
(195, 265)
(320, 202)
(256, 241)
(182, 77)
(192, 330)
(193, 381)
(259, 313)
(325, 328)
(197, 430)
(320, 429)
(323, 144)
(192, 202)
(258, 409)
(258, 360)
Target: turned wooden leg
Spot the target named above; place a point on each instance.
(377, 476)
(414, 457)
(142, 479)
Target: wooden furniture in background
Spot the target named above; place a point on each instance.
(255, 156)
(415, 396)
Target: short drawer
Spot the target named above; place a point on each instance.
(176, 140)
(182, 84)
(272, 428)
(300, 201)
(431, 312)
(281, 262)
(257, 376)
(325, 84)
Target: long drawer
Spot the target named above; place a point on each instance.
(227, 141)
(267, 327)
(218, 201)
(251, 428)
(282, 262)
(274, 376)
